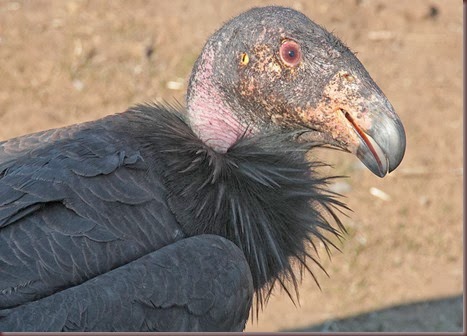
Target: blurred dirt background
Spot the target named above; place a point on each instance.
(401, 266)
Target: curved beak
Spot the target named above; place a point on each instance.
(358, 118)
(382, 144)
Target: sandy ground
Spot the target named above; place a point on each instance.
(400, 268)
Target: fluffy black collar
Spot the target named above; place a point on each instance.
(262, 194)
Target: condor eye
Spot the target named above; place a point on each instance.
(290, 53)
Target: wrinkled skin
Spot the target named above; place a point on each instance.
(328, 94)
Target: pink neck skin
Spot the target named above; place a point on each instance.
(212, 120)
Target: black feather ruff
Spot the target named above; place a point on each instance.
(262, 194)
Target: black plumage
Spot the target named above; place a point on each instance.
(117, 224)
(200, 293)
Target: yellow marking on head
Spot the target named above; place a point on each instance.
(245, 59)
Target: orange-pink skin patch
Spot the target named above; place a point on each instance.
(210, 118)
(341, 95)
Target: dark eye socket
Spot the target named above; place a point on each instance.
(290, 53)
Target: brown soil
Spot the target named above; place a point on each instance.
(64, 62)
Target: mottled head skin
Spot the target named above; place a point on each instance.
(328, 95)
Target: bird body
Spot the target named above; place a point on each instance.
(168, 219)
(202, 291)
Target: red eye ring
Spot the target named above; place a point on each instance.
(290, 53)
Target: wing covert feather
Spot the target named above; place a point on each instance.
(75, 202)
(201, 283)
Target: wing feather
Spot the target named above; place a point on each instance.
(200, 283)
(75, 202)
